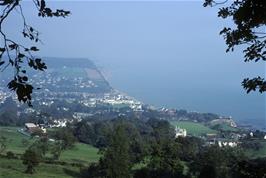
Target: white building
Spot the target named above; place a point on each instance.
(33, 128)
(225, 144)
(180, 132)
(251, 134)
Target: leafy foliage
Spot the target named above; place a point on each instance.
(31, 159)
(56, 150)
(117, 156)
(115, 162)
(250, 168)
(189, 148)
(3, 144)
(216, 162)
(41, 146)
(165, 161)
(14, 54)
(66, 138)
(10, 155)
(249, 17)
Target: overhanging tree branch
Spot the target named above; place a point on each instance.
(16, 53)
(249, 17)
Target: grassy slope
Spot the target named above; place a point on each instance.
(81, 153)
(11, 168)
(195, 129)
(14, 139)
(224, 127)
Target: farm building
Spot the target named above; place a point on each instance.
(33, 128)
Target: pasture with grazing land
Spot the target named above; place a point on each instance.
(193, 128)
(12, 168)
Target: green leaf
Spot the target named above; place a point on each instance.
(34, 48)
(20, 55)
(12, 46)
(25, 78)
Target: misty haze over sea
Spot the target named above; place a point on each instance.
(246, 109)
(157, 52)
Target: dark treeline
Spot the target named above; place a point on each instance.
(140, 148)
(98, 132)
(137, 148)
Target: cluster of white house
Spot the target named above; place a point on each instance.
(32, 128)
(59, 123)
(223, 143)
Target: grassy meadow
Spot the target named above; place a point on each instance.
(12, 168)
(193, 128)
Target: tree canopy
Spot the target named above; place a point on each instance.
(249, 17)
(14, 54)
(31, 159)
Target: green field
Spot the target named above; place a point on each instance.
(81, 153)
(224, 127)
(14, 139)
(70, 72)
(195, 129)
(12, 168)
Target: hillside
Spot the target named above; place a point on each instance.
(12, 168)
(66, 75)
(72, 75)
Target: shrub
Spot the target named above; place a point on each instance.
(10, 155)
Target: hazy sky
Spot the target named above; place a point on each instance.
(163, 53)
